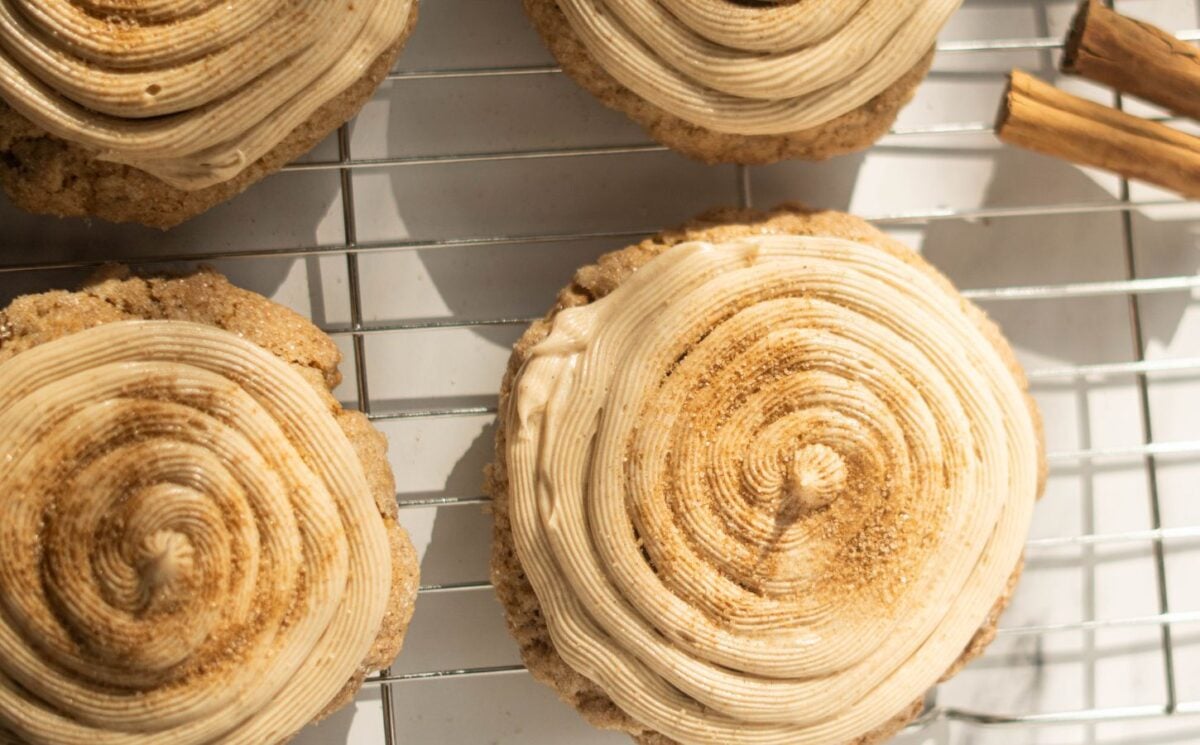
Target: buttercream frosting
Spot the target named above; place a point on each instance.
(758, 69)
(189, 550)
(767, 491)
(191, 91)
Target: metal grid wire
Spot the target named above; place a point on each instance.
(1131, 287)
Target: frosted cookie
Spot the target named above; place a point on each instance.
(155, 112)
(197, 544)
(748, 82)
(764, 479)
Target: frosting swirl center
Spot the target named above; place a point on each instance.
(816, 478)
(166, 564)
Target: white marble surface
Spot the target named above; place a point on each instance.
(1029, 670)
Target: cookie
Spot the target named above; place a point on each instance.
(252, 545)
(61, 174)
(830, 128)
(814, 489)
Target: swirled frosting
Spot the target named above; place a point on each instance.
(189, 551)
(191, 91)
(757, 69)
(767, 491)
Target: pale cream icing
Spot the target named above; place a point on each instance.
(767, 491)
(191, 91)
(765, 70)
(189, 550)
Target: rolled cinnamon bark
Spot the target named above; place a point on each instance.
(1134, 57)
(1037, 116)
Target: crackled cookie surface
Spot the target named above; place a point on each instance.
(198, 545)
(767, 489)
(749, 82)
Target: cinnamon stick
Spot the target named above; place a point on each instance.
(1133, 57)
(1040, 117)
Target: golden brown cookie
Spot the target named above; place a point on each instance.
(45, 174)
(114, 298)
(523, 610)
(847, 133)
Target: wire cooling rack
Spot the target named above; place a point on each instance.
(426, 234)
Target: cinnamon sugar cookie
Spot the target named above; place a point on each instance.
(725, 81)
(763, 479)
(199, 545)
(155, 114)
